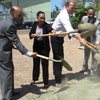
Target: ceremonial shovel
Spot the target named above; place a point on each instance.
(65, 63)
(85, 30)
(62, 33)
(96, 50)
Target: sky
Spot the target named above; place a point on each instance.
(58, 3)
(0, 8)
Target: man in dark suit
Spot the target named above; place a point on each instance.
(8, 38)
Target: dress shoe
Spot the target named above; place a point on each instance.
(91, 72)
(46, 86)
(82, 71)
(33, 82)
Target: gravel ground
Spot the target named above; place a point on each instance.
(23, 68)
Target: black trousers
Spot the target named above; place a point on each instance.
(57, 48)
(36, 67)
(6, 82)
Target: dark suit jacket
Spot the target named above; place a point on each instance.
(8, 38)
(41, 45)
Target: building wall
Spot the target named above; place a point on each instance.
(31, 7)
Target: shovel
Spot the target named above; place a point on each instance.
(65, 63)
(96, 50)
(61, 33)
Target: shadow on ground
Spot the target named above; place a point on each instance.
(25, 89)
(34, 89)
(77, 76)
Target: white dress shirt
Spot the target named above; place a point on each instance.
(62, 22)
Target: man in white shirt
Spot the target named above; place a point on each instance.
(62, 23)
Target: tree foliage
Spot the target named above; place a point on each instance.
(80, 11)
(55, 12)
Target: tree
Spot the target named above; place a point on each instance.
(81, 10)
(55, 12)
(80, 2)
(79, 13)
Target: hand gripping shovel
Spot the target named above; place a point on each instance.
(65, 63)
(96, 50)
(85, 30)
(61, 33)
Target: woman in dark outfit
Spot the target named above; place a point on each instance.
(41, 46)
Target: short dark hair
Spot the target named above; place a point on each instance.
(91, 8)
(39, 12)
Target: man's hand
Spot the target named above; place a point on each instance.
(97, 46)
(54, 33)
(81, 40)
(31, 54)
(34, 54)
(34, 35)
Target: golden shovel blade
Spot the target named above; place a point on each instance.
(87, 29)
(66, 64)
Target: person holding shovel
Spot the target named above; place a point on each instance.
(41, 46)
(8, 38)
(62, 23)
(95, 39)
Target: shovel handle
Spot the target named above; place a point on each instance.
(43, 35)
(89, 46)
(61, 33)
(92, 45)
(47, 58)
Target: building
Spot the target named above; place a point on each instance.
(30, 7)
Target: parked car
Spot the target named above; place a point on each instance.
(50, 21)
(24, 25)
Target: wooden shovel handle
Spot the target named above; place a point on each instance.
(47, 58)
(89, 46)
(92, 45)
(65, 64)
(62, 33)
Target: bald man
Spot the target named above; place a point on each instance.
(95, 39)
(8, 38)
